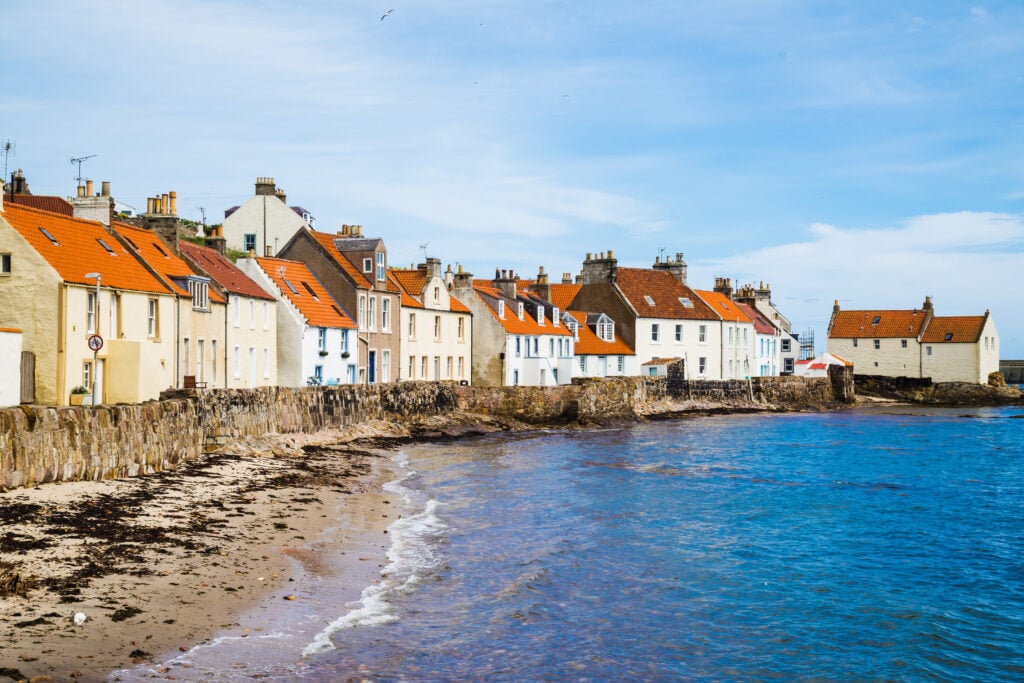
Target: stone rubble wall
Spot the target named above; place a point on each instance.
(40, 444)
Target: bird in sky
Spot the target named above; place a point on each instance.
(386, 14)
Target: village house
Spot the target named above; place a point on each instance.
(196, 325)
(69, 283)
(655, 311)
(916, 343)
(265, 222)
(736, 336)
(353, 269)
(818, 367)
(436, 328)
(518, 339)
(767, 344)
(315, 336)
(760, 298)
(248, 354)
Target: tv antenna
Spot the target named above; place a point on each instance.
(424, 248)
(202, 210)
(7, 148)
(79, 160)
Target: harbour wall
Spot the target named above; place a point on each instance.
(40, 444)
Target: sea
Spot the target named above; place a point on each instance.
(883, 544)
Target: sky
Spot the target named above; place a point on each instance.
(866, 152)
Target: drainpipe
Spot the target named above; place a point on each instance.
(227, 313)
(177, 341)
(62, 348)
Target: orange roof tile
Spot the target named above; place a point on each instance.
(158, 256)
(725, 307)
(406, 298)
(562, 295)
(511, 322)
(412, 281)
(954, 329)
(222, 271)
(43, 203)
(656, 294)
(457, 306)
(304, 291)
(589, 344)
(876, 324)
(78, 249)
(327, 241)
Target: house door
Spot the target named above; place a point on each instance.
(602, 366)
(252, 366)
(97, 397)
(371, 365)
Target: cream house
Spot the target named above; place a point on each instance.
(248, 355)
(916, 343)
(265, 222)
(436, 335)
(736, 335)
(197, 323)
(69, 283)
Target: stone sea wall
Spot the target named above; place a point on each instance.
(41, 444)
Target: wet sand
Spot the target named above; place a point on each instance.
(160, 563)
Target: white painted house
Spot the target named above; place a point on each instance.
(264, 223)
(316, 338)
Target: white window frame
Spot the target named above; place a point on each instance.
(385, 314)
(371, 312)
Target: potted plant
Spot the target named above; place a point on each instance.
(78, 395)
(345, 354)
(323, 353)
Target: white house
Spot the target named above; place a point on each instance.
(599, 349)
(265, 222)
(316, 338)
(736, 336)
(767, 344)
(818, 367)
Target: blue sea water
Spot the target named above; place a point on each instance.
(858, 545)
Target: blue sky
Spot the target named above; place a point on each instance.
(871, 152)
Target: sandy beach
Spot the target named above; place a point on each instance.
(158, 564)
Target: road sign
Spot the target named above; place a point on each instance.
(95, 342)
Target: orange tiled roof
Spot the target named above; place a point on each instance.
(42, 202)
(457, 306)
(78, 250)
(407, 299)
(761, 323)
(562, 295)
(298, 284)
(860, 324)
(665, 291)
(412, 281)
(960, 329)
(222, 271)
(158, 256)
(589, 344)
(511, 322)
(326, 240)
(725, 307)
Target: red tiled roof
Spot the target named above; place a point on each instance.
(665, 291)
(314, 303)
(78, 250)
(761, 323)
(960, 329)
(222, 271)
(511, 322)
(662, 361)
(158, 256)
(406, 298)
(43, 203)
(900, 323)
(725, 307)
(326, 240)
(589, 344)
(562, 295)
(458, 306)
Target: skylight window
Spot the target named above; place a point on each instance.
(106, 246)
(49, 236)
(291, 286)
(949, 336)
(338, 311)
(310, 290)
(648, 299)
(877, 319)
(162, 252)
(685, 301)
(129, 241)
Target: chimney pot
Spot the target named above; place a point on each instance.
(611, 254)
(165, 204)
(106, 188)
(174, 203)
(88, 188)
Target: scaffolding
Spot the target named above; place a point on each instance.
(807, 344)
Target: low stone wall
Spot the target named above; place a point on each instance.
(43, 444)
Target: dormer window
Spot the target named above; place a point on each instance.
(606, 331)
(380, 266)
(200, 292)
(367, 265)
(501, 309)
(648, 299)
(520, 310)
(555, 320)
(540, 315)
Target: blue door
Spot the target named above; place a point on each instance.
(372, 366)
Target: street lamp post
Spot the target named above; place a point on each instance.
(95, 348)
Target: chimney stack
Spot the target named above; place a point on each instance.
(566, 278)
(265, 186)
(506, 284)
(600, 270)
(677, 267)
(462, 280)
